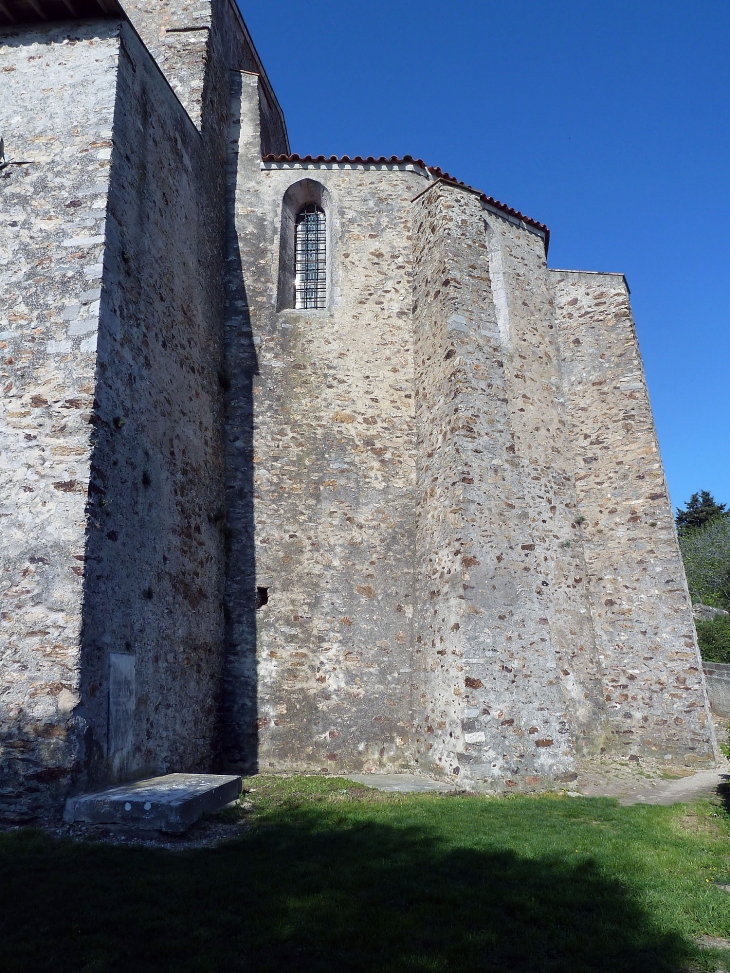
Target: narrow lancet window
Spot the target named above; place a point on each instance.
(311, 258)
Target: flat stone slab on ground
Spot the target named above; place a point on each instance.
(400, 783)
(170, 803)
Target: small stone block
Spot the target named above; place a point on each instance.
(170, 803)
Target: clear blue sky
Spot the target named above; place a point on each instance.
(610, 122)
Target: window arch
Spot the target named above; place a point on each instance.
(306, 248)
(311, 257)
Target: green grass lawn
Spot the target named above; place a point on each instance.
(336, 878)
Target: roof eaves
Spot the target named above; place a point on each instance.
(437, 174)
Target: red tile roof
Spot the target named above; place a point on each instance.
(409, 160)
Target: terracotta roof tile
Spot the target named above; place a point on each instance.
(409, 160)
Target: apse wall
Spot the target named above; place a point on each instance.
(510, 691)
(333, 456)
(652, 673)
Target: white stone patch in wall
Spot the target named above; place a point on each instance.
(44, 709)
(58, 347)
(500, 292)
(82, 241)
(82, 326)
(478, 737)
(89, 344)
(67, 702)
(122, 699)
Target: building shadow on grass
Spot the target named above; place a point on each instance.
(723, 791)
(320, 895)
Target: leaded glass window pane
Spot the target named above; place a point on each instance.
(311, 258)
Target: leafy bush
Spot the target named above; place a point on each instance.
(714, 639)
(706, 556)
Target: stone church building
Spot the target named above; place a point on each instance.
(306, 463)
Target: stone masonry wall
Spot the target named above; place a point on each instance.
(114, 515)
(523, 296)
(447, 538)
(651, 670)
(176, 34)
(195, 42)
(328, 400)
(240, 55)
(154, 550)
(500, 673)
(52, 226)
(508, 659)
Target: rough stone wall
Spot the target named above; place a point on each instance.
(239, 54)
(652, 675)
(449, 490)
(195, 43)
(114, 514)
(176, 33)
(52, 226)
(507, 651)
(500, 673)
(524, 301)
(330, 407)
(239, 737)
(154, 549)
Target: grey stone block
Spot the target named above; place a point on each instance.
(171, 803)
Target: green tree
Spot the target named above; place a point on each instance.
(700, 509)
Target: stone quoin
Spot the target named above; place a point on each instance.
(308, 464)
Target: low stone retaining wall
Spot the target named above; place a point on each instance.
(717, 675)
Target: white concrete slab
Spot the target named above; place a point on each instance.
(170, 803)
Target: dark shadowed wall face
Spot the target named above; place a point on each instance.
(154, 564)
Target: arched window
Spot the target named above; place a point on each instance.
(306, 249)
(311, 257)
